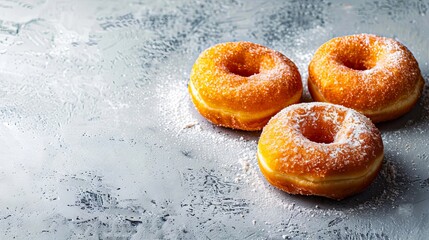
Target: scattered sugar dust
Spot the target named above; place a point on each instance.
(179, 117)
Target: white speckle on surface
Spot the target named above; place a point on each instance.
(405, 209)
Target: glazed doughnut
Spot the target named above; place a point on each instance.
(376, 76)
(241, 85)
(320, 149)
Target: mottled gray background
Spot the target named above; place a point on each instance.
(99, 139)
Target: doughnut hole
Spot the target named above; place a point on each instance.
(246, 64)
(358, 56)
(321, 129)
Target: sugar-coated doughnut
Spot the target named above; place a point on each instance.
(241, 85)
(376, 76)
(320, 149)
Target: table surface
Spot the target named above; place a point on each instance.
(99, 139)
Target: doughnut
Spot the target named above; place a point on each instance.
(374, 75)
(320, 149)
(241, 85)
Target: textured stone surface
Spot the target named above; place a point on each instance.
(99, 139)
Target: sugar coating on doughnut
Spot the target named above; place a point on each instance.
(233, 82)
(377, 76)
(307, 148)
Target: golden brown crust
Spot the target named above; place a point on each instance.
(241, 84)
(338, 190)
(376, 76)
(320, 149)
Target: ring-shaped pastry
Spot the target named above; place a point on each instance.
(320, 149)
(241, 85)
(376, 76)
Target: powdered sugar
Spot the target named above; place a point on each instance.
(233, 154)
(375, 75)
(322, 137)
